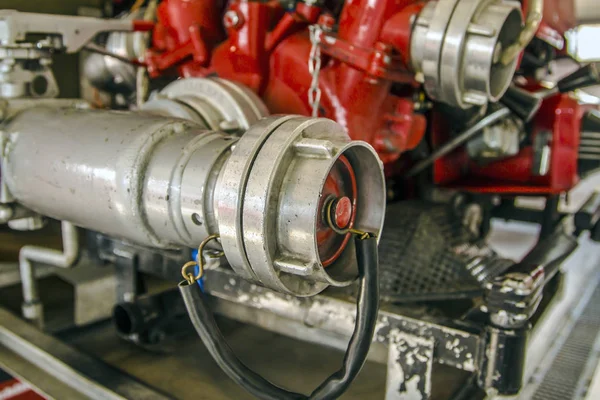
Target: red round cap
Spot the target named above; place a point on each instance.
(342, 212)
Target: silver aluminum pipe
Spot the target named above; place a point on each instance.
(32, 307)
(167, 183)
(126, 175)
(209, 102)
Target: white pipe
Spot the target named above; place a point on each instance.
(32, 307)
(6, 213)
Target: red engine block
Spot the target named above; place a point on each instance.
(267, 48)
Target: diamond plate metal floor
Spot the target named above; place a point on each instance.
(570, 372)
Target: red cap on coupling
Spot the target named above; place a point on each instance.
(342, 212)
(339, 209)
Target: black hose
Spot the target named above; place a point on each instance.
(356, 354)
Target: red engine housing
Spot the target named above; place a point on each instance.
(267, 48)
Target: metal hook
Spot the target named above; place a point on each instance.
(191, 278)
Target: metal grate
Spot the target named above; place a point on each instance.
(564, 376)
(426, 253)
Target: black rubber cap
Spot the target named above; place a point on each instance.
(521, 102)
(591, 121)
(583, 77)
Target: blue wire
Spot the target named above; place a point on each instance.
(197, 269)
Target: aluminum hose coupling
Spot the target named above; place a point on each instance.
(288, 198)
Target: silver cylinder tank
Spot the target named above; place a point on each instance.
(166, 183)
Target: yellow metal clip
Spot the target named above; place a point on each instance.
(362, 235)
(190, 277)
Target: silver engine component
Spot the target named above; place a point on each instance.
(216, 104)
(110, 74)
(167, 183)
(496, 141)
(457, 46)
(25, 65)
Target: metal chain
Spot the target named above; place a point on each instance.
(314, 67)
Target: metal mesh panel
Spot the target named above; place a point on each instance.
(426, 253)
(562, 379)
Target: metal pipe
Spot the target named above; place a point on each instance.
(458, 140)
(169, 183)
(94, 48)
(32, 307)
(144, 178)
(456, 46)
(534, 18)
(14, 211)
(6, 213)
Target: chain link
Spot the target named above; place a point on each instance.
(314, 67)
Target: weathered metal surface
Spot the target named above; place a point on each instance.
(94, 290)
(410, 363)
(553, 328)
(31, 376)
(330, 320)
(82, 373)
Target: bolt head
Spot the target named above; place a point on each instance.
(231, 19)
(327, 22)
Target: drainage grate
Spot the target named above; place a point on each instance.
(563, 379)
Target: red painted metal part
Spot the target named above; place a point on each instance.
(559, 115)
(12, 389)
(560, 15)
(142, 26)
(267, 48)
(357, 80)
(184, 36)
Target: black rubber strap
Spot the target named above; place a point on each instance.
(356, 354)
